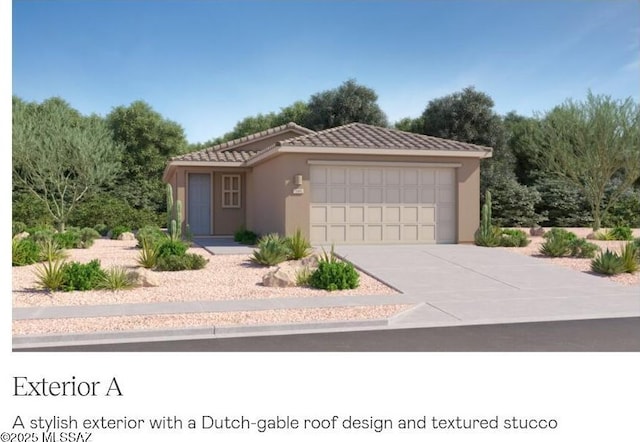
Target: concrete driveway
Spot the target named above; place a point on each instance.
(465, 284)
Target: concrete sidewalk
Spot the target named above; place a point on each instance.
(446, 285)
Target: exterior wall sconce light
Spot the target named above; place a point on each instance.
(297, 180)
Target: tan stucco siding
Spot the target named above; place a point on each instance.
(274, 207)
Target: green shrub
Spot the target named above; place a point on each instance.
(622, 233)
(50, 250)
(561, 233)
(72, 238)
(148, 257)
(29, 209)
(24, 252)
(581, 248)
(88, 236)
(607, 263)
(17, 227)
(513, 238)
(117, 278)
(42, 234)
(630, 255)
(173, 263)
(555, 246)
(636, 241)
(335, 275)
(298, 245)
(272, 250)
(152, 234)
(117, 231)
(78, 276)
(244, 236)
(111, 211)
(102, 229)
(170, 247)
(303, 276)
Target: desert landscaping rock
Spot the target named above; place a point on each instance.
(536, 231)
(225, 277)
(126, 236)
(21, 235)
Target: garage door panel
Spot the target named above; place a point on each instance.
(385, 204)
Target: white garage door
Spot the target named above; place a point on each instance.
(382, 204)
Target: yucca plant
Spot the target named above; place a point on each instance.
(272, 250)
(607, 263)
(605, 235)
(117, 278)
(51, 273)
(148, 256)
(298, 245)
(303, 276)
(630, 255)
(51, 250)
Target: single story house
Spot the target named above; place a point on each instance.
(350, 184)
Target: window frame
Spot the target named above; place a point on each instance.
(230, 178)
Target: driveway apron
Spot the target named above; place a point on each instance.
(465, 284)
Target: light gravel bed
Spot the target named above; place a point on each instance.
(140, 322)
(225, 277)
(579, 264)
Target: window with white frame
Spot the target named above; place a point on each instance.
(231, 191)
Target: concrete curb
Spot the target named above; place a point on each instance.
(97, 338)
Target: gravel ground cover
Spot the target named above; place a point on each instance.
(579, 264)
(224, 277)
(139, 322)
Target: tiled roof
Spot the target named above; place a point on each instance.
(358, 135)
(218, 155)
(214, 153)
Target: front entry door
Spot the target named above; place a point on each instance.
(199, 210)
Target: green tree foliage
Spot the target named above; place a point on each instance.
(348, 103)
(149, 141)
(60, 157)
(588, 144)
(562, 205)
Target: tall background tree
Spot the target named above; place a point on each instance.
(59, 156)
(593, 145)
(149, 140)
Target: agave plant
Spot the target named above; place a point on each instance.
(630, 255)
(272, 250)
(607, 263)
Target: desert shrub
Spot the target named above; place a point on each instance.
(102, 229)
(41, 234)
(513, 238)
(148, 256)
(170, 247)
(604, 235)
(272, 250)
(78, 276)
(557, 242)
(622, 233)
(29, 209)
(298, 245)
(630, 255)
(562, 204)
(513, 204)
(151, 234)
(117, 278)
(334, 275)
(24, 252)
(69, 239)
(88, 236)
(561, 233)
(173, 263)
(625, 211)
(303, 276)
(112, 211)
(636, 241)
(51, 250)
(117, 231)
(17, 227)
(244, 236)
(607, 263)
(581, 248)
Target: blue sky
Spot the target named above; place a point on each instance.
(208, 64)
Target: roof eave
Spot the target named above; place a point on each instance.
(188, 163)
(366, 151)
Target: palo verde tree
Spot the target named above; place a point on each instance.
(593, 145)
(60, 156)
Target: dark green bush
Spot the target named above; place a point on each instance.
(152, 235)
(607, 263)
(117, 231)
(69, 239)
(17, 227)
(41, 234)
(29, 209)
(102, 229)
(170, 247)
(88, 236)
(621, 233)
(112, 211)
(77, 276)
(24, 252)
(513, 238)
(581, 248)
(174, 263)
(625, 211)
(244, 236)
(336, 275)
